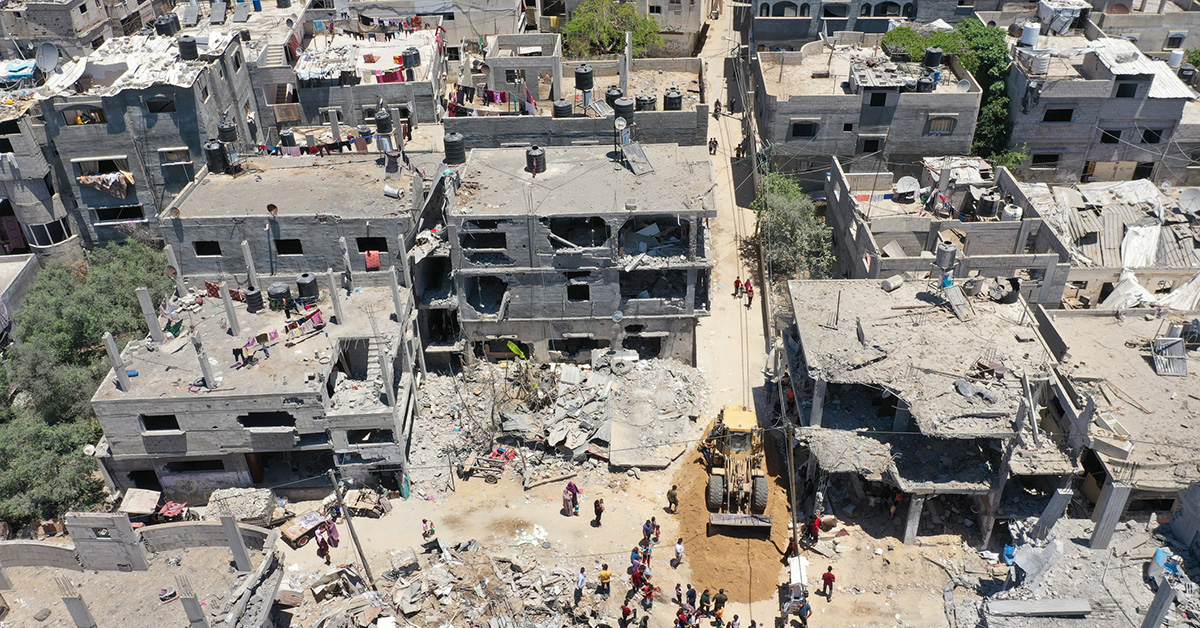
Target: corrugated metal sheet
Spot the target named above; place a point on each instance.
(1123, 57)
(1169, 357)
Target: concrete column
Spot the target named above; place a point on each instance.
(334, 126)
(818, 403)
(385, 372)
(912, 521)
(1142, 7)
(1051, 514)
(5, 583)
(626, 63)
(241, 557)
(191, 605)
(1162, 6)
(346, 260)
(397, 302)
(173, 262)
(230, 313)
(335, 297)
(902, 420)
(405, 273)
(75, 605)
(114, 356)
(1108, 511)
(556, 78)
(205, 367)
(151, 314)
(251, 274)
(1164, 598)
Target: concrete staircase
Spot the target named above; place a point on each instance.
(275, 55)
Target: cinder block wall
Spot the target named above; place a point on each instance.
(38, 554)
(106, 542)
(172, 536)
(686, 128)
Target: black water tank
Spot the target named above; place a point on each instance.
(306, 286)
(612, 94)
(563, 108)
(166, 25)
(925, 85)
(383, 122)
(214, 154)
(456, 148)
(412, 58)
(646, 102)
(188, 50)
(254, 299)
(287, 137)
(244, 34)
(535, 159)
(583, 78)
(227, 132)
(673, 100)
(277, 293)
(283, 4)
(1187, 73)
(933, 57)
(624, 107)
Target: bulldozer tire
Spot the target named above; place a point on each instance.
(758, 503)
(716, 492)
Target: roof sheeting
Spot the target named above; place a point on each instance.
(1122, 57)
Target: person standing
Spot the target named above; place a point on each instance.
(749, 294)
(427, 531)
(673, 500)
(679, 594)
(647, 530)
(627, 614)
(705, 602)
(574, 490)
(691, 596)
(568, 501)
(657, 529)
(735, 622)
(719, 600)
(598, 506)
(580, 583)
(827, 580)
(804, 613)
(678, 552)
(605, 577)
(737, 288)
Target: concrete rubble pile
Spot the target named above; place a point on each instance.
(251, 602)
(248, 505)
(554, 419)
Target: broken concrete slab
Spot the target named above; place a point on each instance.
(1067, 607)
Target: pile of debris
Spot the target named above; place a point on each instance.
(545, 419)
(248, 505)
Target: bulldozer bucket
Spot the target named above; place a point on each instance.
(736, 519)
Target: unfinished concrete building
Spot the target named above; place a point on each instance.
(77, 27)
(517, 62)
(128, 124)
(883, 226)
(648, 83)
(853, 102)
(461, 21)
(1088, 107)
(789, 24)
(571, 252)
(1132, 382)
(925, 397)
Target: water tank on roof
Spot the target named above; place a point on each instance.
(673, 100)
(411, 57)
(646, 102)
(306, 286)
(535, 159)
(1187, 73)
(1176, 59)
(583, 78)
(933, 57)
(612, 94)
(925, 84)
(989, 204)
(214, 155)
(563, 108)
(1010, 213)
(188, 50)
(624, 107)
(1040, 64)
(456, 148)
(287, 137)
(166, 25)
(283, 4)
(1029, 35)
(383, 122)
(945, 255)
(254, 299)
(227, 132)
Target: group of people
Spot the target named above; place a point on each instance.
(746, 289)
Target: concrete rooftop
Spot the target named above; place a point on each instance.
(135, 62)
(918, 353)
(327, 56)
(585, 180)
(1159, 412)
(348, 186)
(789, 74)
(269, 26)
(170, 369)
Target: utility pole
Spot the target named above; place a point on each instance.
(337, 490)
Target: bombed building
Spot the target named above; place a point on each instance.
(566, 250)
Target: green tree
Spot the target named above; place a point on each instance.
(1192, 56)
(598, 27)
(796, 243)
(54, 367)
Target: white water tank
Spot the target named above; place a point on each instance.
(1010, 213)
(1040, 64)
(1176, 59)
(1029, 34)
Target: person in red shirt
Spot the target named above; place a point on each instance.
(827, 580)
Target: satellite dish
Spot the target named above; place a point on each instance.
(1189, 201)
(907, 185)
(1165, 186)
(620, 124)
(47, 57)
(963, 86)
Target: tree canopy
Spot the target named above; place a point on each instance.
(796, 243)
(598, 27)
(55, 365)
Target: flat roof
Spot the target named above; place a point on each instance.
(1109, 358)
(349, 186)
(585, 180)
(918, 351)
(169, 370)
(11, 267)
(327, 56)
(829, 72)
(269, 26)
(121, 63)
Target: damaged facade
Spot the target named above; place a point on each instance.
(584, 256)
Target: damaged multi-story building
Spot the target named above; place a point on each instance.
(927, 397)
(565, 251)
(238, 390)
(855, 103)
(75, 27)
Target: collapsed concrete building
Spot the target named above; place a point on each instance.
(920, 396)
(565, 251)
